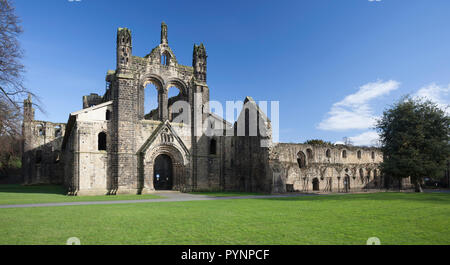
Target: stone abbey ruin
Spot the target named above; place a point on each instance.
(112, 146)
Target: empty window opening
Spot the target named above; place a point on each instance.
(301, 159)
(373, 155)
(58, 131)
(344, 154)
(40, 130)
(165, 58)
(151, 100)
(247, 122)
(359, 154)
(174, 95)
(102, 141)
(108, 115)
(213, 147)
(309, 153)
(38, 156)
(328, 153)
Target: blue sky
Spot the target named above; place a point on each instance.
(333, 65)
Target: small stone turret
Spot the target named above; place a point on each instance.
(28, 110)
(124, 49)
(28, 118)
(199, 62)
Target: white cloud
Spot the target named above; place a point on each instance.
(437, 94)
(369, 138)
(354, 111)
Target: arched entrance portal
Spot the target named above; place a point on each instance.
(163, 173)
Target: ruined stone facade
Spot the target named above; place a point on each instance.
(112, 146)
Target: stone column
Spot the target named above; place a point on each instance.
(163, 102)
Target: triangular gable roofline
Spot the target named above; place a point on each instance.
(152, 137)
(215, 116)
(252, 103)
(91, 108)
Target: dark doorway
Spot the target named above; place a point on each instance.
(162, 173)
(315, 183)
(347, 183)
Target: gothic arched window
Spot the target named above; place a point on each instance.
(301, 159)
(165, 58)
(41, 130)
(58, 131)
(309, 154)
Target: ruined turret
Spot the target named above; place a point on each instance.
(199, 62)
(124, 50)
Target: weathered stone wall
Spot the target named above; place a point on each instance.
(329, 168)
(228, 157)
(42, 162)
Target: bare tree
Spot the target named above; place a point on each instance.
(12, 90)
(347, 141)
(11, 69)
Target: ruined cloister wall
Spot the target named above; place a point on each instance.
(325, 168)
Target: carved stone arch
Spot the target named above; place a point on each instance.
(162, 95)
(178, 83)
(175, 153)
(154, 79)
(179, 161)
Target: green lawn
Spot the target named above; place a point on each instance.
(395, 218)
(17, 194)
(227, 193)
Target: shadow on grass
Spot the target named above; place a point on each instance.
(441, 198)
(38, 189)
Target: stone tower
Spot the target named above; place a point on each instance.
(27, 131)
(124, 116)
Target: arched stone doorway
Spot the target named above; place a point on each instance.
(315, 183)
(347, 183)
(163, 173)
(165, 161)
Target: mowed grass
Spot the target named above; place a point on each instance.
(18, 194)
(395, 218)
(227, 193)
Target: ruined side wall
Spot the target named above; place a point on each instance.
(42, 162)
(328, 166)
